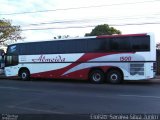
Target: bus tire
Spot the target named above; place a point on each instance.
(114, 77)
(96, 76)
(24, 75)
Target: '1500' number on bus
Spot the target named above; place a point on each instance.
(125, 58)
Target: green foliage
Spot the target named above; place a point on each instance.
(62, 37)
(103, 30)
(8, 32)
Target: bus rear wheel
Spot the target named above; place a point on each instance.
(24, 75)
(114, 77)
(96, 76)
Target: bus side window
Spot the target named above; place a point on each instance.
(11, 60)
(120, 44)
(140, 43)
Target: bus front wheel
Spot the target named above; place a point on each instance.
(24, 74)
(114, 76)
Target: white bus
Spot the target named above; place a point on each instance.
(111, 58)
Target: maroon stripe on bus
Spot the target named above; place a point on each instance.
(124, 35)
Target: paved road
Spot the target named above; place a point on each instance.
(61, 97)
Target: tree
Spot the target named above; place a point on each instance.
(103, 30)
(8, 32)
(62, 37)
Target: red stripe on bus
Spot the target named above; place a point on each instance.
(59, 72)
(124, 35)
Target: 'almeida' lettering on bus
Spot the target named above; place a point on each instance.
(43, 58)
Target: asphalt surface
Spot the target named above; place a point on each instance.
(78, 97)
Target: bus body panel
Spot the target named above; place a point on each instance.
(72, 65)
(65, 59)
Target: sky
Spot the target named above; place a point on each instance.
(67, 16)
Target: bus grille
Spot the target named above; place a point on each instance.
(137, 69)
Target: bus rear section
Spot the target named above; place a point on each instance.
(2, 61)
(112, 58)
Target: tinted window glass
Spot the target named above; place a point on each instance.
(28, 48)
(47, 47)
(11, 60)
(38, 48)
(127, 44)
(13, 49)
(97, 45)
(141, 43)
(72, 46)
(65, 46)
(120, 44)
(68, 46)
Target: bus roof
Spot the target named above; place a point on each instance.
(100, 36)
(54, 40)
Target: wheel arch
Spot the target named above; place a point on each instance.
(94, 68)
(23, 68)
